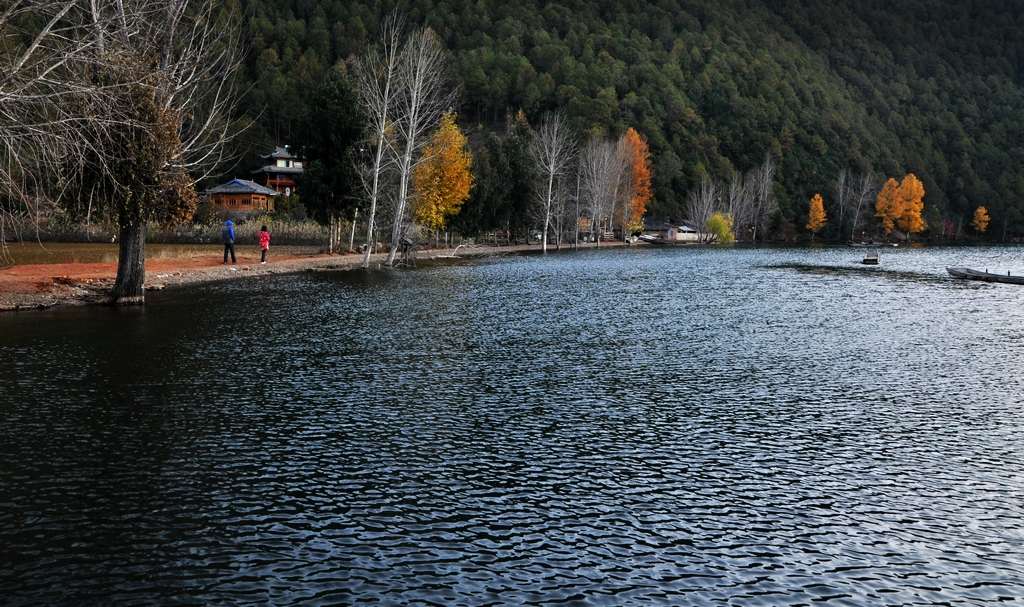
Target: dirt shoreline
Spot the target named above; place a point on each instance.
(38, 286)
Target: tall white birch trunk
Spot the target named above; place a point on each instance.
(375, 75)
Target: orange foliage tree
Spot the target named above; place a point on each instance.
(911, 205)
(816, 215)
(981, 219)
(640, 170)
(443, 179)
(887, 205)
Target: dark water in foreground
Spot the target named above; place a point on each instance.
(623, 427)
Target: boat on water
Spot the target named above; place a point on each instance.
(871, 259)
(986, 276)
(873, 245)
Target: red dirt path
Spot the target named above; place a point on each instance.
(41, 278)
(42, 285)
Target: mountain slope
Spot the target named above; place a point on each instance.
(925, 86)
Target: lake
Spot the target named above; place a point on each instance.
(666, 426)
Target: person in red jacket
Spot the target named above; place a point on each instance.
(264, 244)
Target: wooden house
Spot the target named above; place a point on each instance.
(243, 196)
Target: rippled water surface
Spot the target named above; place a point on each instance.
(686, 427)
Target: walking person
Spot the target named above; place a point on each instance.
(264, 244)
(227, 235)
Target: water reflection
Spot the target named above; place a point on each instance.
(682, 427)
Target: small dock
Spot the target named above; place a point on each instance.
(986, 276)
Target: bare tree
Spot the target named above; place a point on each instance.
(589, 171)
(552, 148)
(739, 204)
(376, 75)
(761, 183)
(422, 97)
(170, 65)
(598, 177)
(865, 188)
(842, 195)
(124, 105)
(618, 162)
(702, 203)
(622, 192)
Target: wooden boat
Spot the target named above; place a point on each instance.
(970, 274)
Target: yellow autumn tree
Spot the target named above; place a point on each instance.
(981, 219)
(720, 226)
(887, 207)
(816, 215)
(910, 197)
(443, 179)
(640, 167)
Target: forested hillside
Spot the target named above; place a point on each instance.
(927, 86)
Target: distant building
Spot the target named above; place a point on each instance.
(243, 196)
(280, 171)
(676, 231)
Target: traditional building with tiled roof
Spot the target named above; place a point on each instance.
(281, 171)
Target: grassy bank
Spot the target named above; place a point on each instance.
(285, 231)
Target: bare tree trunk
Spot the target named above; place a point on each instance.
(375, 191)
(547, 215)
(129, 287)
(842, 197)
(375, 75)
(865, 188)
(576, 224)
(352, 235)
(404, 171)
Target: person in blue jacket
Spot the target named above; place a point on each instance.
(227, 234)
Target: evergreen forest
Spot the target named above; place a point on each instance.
(928, 87)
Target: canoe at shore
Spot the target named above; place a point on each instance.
(969, 274)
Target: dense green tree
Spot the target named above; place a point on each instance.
(504, 183)
(330, 139)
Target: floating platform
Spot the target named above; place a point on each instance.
(969, 274)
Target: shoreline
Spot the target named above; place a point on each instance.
(42, 286)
